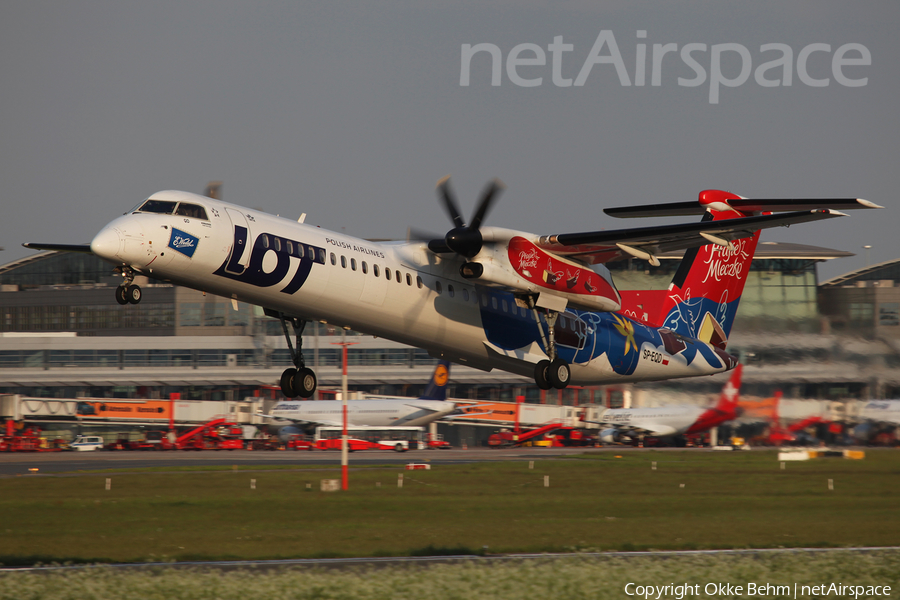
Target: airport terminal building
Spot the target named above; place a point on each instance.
(63, 335)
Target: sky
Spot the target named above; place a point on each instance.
(352, 111)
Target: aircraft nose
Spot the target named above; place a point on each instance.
(106, 244)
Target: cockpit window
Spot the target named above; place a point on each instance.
(163, 207)
(167, 207)
(195, 211)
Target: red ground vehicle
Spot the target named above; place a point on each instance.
(217, 434)
(436, 442)
(506, 438)
(28, 440)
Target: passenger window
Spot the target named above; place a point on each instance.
(484, 300)
(365, 268)
(419, 282)
(465, 295)
(408, 279)
(494, 303)
(333, 259)
(398, 276)
(352, 264)
(300, 251)
(289, 246)
(277, 244)
(376, 270)
(194, 211)
(344, 262)
(505, 306)
(265, 240)
(450, 291)
(162, 207)
(387, 272)
(438, 287)
(321, 254)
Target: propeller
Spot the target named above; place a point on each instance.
(463, 239)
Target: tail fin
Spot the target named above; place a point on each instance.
(731, 393)
(776, 415)
(437, 387)
(703, 297)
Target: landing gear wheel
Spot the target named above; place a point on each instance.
(133, 294)
(559, 373)
(541, 375)
(287, 383)
(304, 383)
(121, 298)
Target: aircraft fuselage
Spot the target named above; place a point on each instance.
(396, 290)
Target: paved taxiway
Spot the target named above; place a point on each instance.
(47, 463)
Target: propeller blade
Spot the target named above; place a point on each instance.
(490, 193)
(414, 234)
(445, 193)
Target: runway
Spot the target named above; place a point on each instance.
(69, 463)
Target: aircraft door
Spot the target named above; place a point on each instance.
(240, 248)
(374, 290)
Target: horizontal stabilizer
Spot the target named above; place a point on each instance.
(83, 248)
(679, 209)
(665, 238)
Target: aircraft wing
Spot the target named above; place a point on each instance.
(425, 408)
(83, 248)
(649, 429)
(322, 422)
(645, 242)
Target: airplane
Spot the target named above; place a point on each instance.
(540, 306)
(625, 424)
(300, 417)
(777, 434)
(881, 418)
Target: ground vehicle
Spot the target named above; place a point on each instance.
(400, 439)
(86, 443)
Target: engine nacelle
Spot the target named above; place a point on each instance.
(288, 431)
(491, 270)
(612, 436)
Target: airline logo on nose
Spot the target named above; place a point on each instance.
(183, 242)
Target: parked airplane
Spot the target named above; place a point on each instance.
(541, 306)
(626, 424)
(881, 418)
(298, 417)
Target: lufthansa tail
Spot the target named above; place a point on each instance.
(437, 387)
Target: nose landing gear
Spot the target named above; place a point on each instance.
(128, 292)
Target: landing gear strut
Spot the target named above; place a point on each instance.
(553, 373)
(128, 293)
(298, 381)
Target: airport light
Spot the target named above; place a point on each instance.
(344, 437)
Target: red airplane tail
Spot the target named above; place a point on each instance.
(703, 297)
(726, 409)
(728, 399)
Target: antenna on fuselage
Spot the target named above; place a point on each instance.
(302, 218)
(213, 190)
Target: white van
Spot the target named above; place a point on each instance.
(84, 443)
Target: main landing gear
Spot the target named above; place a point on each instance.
(128, 293)
(301, 380)
(552, 373)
